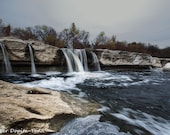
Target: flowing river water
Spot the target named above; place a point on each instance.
(132, 102)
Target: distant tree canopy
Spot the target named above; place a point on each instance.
(73, 37)
(5, 30)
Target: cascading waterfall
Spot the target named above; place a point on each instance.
(69, 65)
(83, 58)
(77, 60)
(96, 62)
(7, 63)
(73, 61)
(33, 68)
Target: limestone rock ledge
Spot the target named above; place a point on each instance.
(23, 108)
(124, 58)
(19, 53)
(45, 54)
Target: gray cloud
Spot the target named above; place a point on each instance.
(131, 20)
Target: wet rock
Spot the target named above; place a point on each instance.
(166, 67)
(23, 108)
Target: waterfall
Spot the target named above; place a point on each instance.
(73, 61)
(8, 67)
(69, 65)
(33, 69)
(83, 58)
(96, 62)
(77, 60)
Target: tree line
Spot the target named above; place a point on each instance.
(73, 37)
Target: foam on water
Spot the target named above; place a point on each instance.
(154, 125)
(69, 83)
(98, 79)
(90, 125)
(57, 83)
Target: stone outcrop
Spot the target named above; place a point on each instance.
(38, 110)
(45, 54)
(19, 53)
(124, 58)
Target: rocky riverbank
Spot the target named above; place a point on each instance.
(38, 110)
(47, 55)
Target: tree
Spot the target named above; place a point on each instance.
(74, 30)
(104, 42)
(101, 39)
(24, 33)
(165, 53)
(1, 27)
(153, 50)
(5, 30)
(121, 45)
(46, 34)
(74, 38)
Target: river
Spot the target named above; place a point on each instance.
(132, 102)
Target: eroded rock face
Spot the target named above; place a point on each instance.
(124, 58)
(18, 51)
(15, 48)
(37, 108)
(49, 55)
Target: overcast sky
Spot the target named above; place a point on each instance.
(146, 21)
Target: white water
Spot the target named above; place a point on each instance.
(77, 60)
(83, 58)
(69, 65)
(33, 68)
(90, 125)
(96, 62)
(98, 79)
(155, 125)
(73, 61)
(60, 83)
(8, 67)
(167, 66)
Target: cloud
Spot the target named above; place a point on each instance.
(131, 20)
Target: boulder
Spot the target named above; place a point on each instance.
(166, 67)
(124, 58)
(38, 110)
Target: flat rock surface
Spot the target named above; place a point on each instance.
(37, 108)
